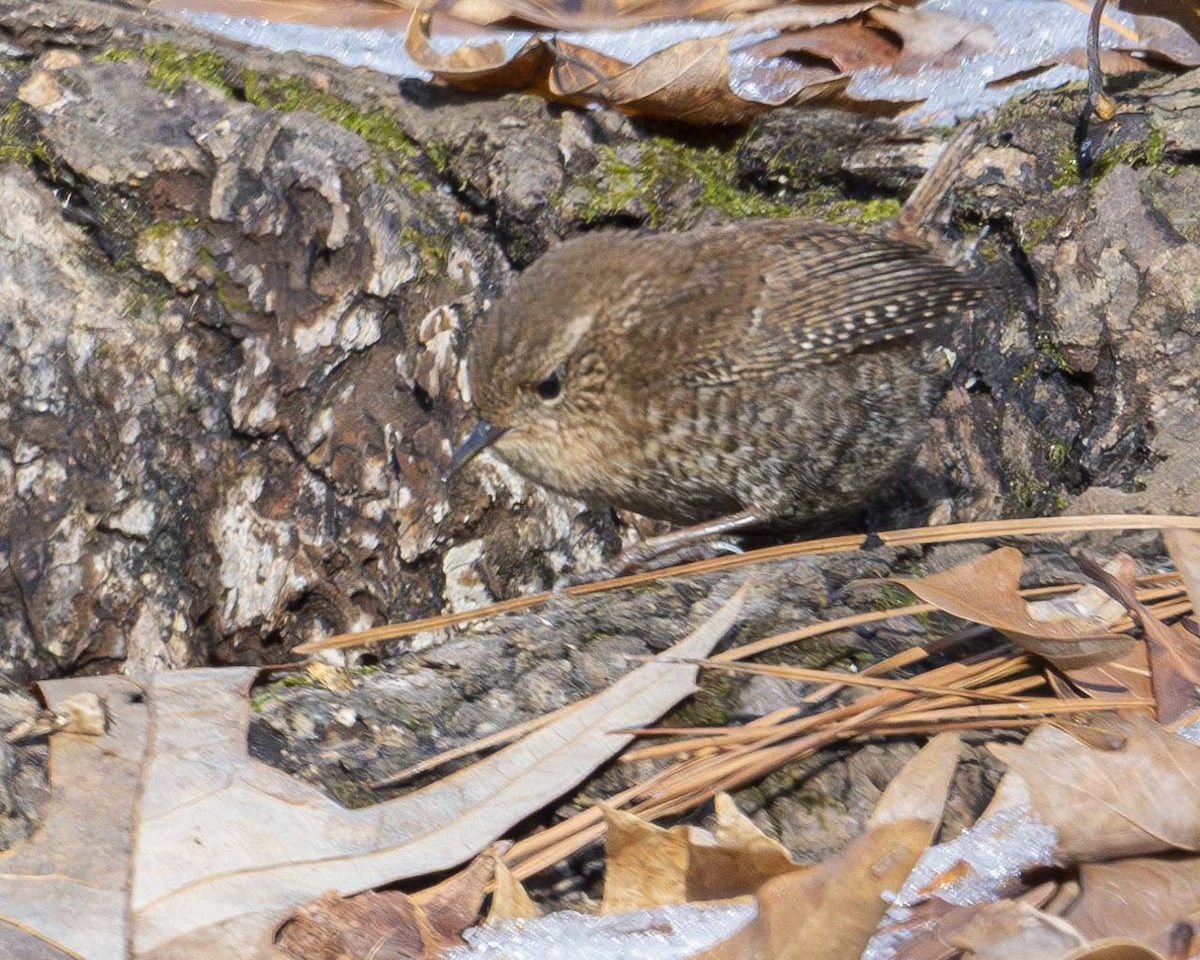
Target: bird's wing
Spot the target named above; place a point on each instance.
(823, 293)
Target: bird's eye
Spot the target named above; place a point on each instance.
(551, 387)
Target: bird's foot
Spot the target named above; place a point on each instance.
(700, 542)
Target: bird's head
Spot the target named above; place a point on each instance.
(539, 365)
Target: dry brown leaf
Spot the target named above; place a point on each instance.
(509, 899)
(1116, 949)
(649, 866)
(848, 45)
(1167, 890)
(984, 590)
(1107, 804)
(391, 923)
(645, 864)
(362, 14)
(332, 928)
(1173, 653)
(688, 81)
(1010, 930)
(223, 848)
(784, 18)
(586, 14)
(829, 912)
(933, 40)
(1089, 602)
(1183, 546)
(1186, 13)
(920, 790)
(735, 858)
(1166, 44)
(927, 929)
(1125, 676)
(484, 68)
(453, 905)
(579, 69)
(549, 14)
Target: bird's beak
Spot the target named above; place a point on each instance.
(479, 439)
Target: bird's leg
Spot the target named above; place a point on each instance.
(673, 542)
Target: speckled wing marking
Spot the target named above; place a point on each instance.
(826, 295)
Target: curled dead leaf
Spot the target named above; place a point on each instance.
(1111, 803)
(1186, 13)
(1168, 891)
(486, 67)
(1115, 949)
(1010, 930)
(920, 789)
(734, 858)
(509, 899)
(690, 81)
(651, 866)
(830, 911)
(646, 865)
(984, 590)
(389, 923)
(1173, 653)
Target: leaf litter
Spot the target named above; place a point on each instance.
(164, 839)
(723, 63)
(1100, 791)
(1100, 783)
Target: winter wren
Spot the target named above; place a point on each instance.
(771, 369)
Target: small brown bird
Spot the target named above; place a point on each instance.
(764, 371)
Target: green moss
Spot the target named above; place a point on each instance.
(879, 210)
(165, 228)
(1026, 371)
(18, 141)
(1057, 451)
(228, 296)
(271, 692)
(1034, 230)
(148, 299)
(395, 152)
(713, 705)
(378, 128)
(431, 248)
(171, 66)
(848, 659)
(1133, 153)
(894, 597)
(891, 596)
(662, 166)
(352, 795)
(1044, 340)
(1048, 347)
(440, 155)
(1155, 148)
(1066, 168)
(1026, 489)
